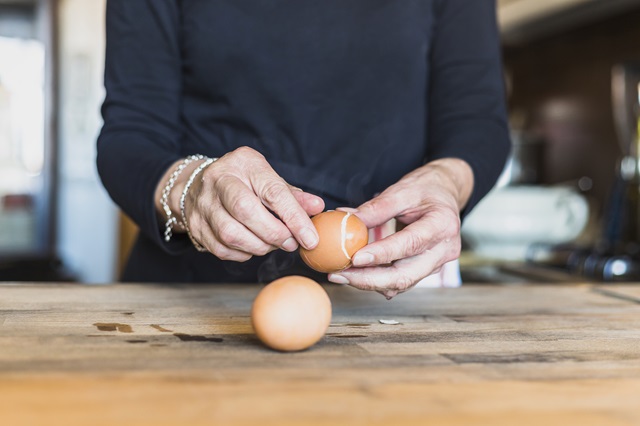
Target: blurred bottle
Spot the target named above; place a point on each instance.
(629, 239)
(622, 227)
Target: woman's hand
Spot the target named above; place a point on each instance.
(229, 208)
(427, 200)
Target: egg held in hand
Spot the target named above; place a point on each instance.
(291, 313)
(341, 235)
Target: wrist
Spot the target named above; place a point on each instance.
(176, 193)
(193, 178)
(457, 176)
(171, 182)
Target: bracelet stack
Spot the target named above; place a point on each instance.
(185, 191)
(164, 199)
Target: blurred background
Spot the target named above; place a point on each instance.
(565, 209)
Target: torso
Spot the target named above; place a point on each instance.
(333, 93)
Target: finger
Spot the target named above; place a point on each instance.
(203, 234)
(312, 204)
(245, 207)
(400, 276)
(411, 241)
(380, 209)
(275, 194)
(438, 226)
(235, 235)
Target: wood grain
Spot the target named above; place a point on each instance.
(622, 292)
(131, 354)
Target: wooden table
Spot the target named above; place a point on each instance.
(186, 355)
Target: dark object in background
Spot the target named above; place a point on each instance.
(34, 270)
(526, 159)
(622, 228)
(617, 256)
(597, 264)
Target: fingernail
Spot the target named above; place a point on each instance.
(338, 279)
(362, 259)
(347, 210)
(290, 244)
(309, 238)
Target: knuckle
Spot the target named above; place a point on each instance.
(262, 250)
(243, 206)
(248, 153)
(378, 205)
(242, 257)
(290, 216)
(224, 253)
(229, 234)
(274, 193)
(275, 236)
(245, 150)
(415, 244)
(220, 251)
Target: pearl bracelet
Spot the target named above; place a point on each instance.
(185, 191)
(164, 199)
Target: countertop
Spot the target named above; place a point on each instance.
(158, 355)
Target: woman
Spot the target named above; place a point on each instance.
(308, 105)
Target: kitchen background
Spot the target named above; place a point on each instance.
(562, 185)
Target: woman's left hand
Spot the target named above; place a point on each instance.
(427, 200)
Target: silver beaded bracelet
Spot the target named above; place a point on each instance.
(164, 199)
(185, 191)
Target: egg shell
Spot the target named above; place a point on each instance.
(291, 313)
(341, 235)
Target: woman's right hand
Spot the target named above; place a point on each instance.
(229, 207)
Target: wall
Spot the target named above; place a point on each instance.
(87, 219)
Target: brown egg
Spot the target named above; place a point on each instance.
(341, 235)
(291, 313)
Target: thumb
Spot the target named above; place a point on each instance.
(378, 210)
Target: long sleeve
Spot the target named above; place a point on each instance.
(338, 96)
(141, 133)
(467, 112)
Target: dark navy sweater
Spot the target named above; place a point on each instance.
(343, 97)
